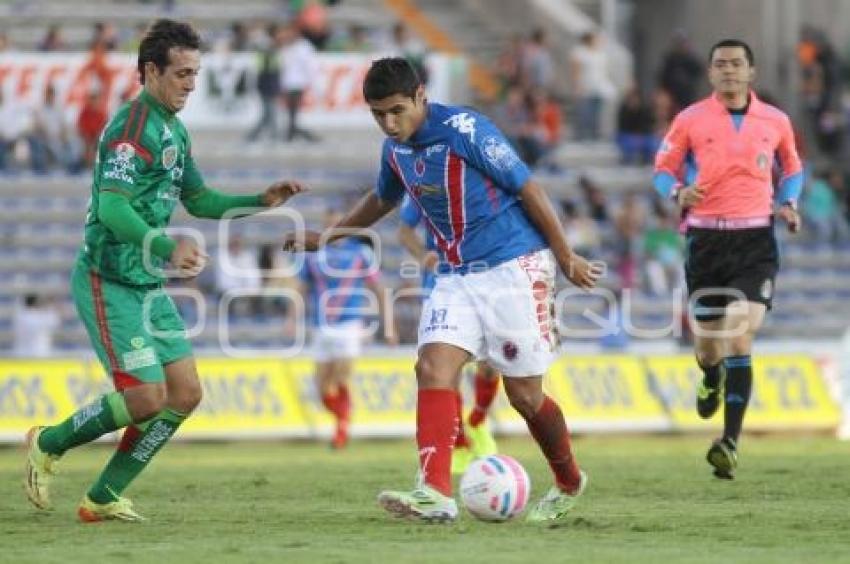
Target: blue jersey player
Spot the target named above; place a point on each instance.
(500, 243)
(474, 438)
(340, 282)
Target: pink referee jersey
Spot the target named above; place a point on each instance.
(733, 163)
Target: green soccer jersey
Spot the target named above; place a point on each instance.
(144, 153)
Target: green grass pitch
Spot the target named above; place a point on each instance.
(651, 499)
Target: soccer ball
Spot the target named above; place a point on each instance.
(495, 488)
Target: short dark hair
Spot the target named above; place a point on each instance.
(160, 38)
(390, 76)
(751, 59)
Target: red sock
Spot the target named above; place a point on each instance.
(485, 392)
(331, 401)
(343, 403)
(550, 431)
(128, 439)
(436, 427)
(462, 441)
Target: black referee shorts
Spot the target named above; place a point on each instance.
(723, 265)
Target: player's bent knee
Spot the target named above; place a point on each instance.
(525, 400)
(741, 346)
(429, 374)
(145, 401)
(187, 398)
(709, 357)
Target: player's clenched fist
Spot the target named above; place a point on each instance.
(188, 258)
(279, 192)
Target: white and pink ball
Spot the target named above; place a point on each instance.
(495, 488)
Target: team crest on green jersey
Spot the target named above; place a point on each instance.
(169, 157)
(124, 152)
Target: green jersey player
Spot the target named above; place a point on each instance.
(144, 166)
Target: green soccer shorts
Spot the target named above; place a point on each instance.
(134, 330)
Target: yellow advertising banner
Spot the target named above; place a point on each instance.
(596, 393)
(383, 396)
(788, 393)
(246, 397)
(271, 397)
(39, 392)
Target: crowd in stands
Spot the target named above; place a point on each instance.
(635, 232)
(44, 138)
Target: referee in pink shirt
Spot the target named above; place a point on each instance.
(716, 162)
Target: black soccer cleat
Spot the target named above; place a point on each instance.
(708, 400)
(723, 456)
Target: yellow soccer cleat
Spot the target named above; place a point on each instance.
(424, 503)
(40, 467)
(481, 439)
(118, 510)
(556, 504)
(462, 457)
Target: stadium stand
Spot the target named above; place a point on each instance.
(41, 215)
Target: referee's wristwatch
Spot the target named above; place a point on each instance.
(791, 204)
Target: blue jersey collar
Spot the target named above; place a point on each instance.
(429, 131)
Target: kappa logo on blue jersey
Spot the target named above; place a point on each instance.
(464, 123)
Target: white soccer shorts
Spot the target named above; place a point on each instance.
(339, 341)
(504, 314)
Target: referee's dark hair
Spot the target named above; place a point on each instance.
(160, 38)
(751, 59)
(390, 76)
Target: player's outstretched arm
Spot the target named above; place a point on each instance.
(116, 213)
(411, 241)
(212, 204)
(577, 269)
(365, 213)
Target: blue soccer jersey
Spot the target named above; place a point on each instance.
(336, 276)
(465, 178)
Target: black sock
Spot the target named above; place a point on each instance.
(711, 376)
(739, 384)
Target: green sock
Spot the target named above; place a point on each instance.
(137, 448)
(105, 414)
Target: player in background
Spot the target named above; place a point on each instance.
(500, 242)
(732, 259)
(144, 167)
(340, 282)
(474, 438)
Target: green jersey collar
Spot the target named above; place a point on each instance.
(147, 98)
